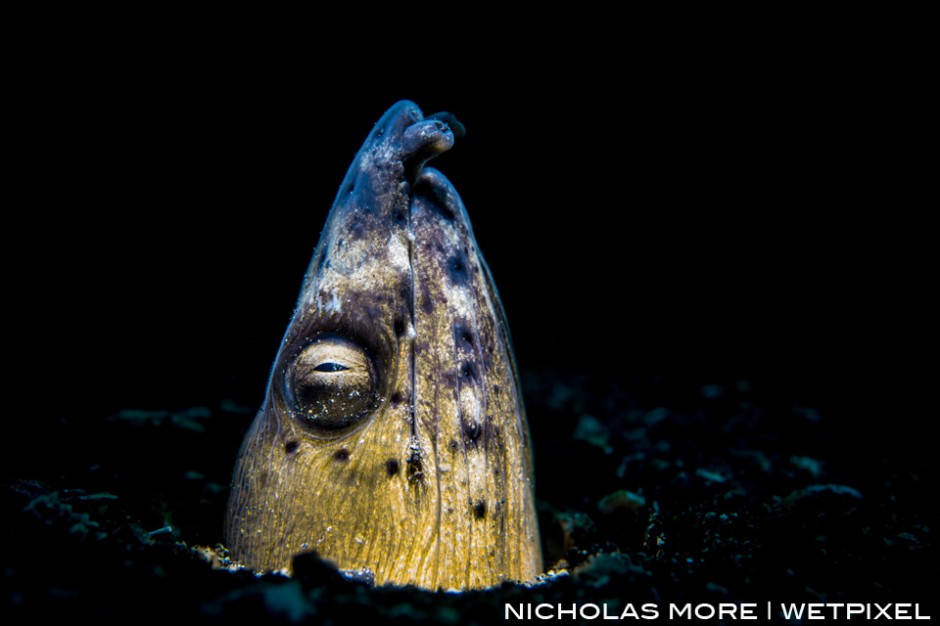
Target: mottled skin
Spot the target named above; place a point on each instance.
(423, 472)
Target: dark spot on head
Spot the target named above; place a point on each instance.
(468, 372)
(445, 211)
(496, 471)
(479, 509)
(415, 468)
(341, 455)
(291, 446)
(399, 217)
(396, 398)
(399, 327)
(457, 269)
(496, 389)
(464, 336)
(425, 298)
(453, 444)
(471, 433)
(391, 467)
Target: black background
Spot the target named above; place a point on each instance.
(703, 219)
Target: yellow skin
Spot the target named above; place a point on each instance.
(393, 436)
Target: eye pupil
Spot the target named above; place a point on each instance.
(330, 367)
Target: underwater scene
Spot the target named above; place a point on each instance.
(553, 355)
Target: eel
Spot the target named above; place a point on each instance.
(393, 439)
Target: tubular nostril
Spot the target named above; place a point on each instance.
(451, 122)
(422, 141)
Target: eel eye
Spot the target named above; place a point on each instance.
(331, 384)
